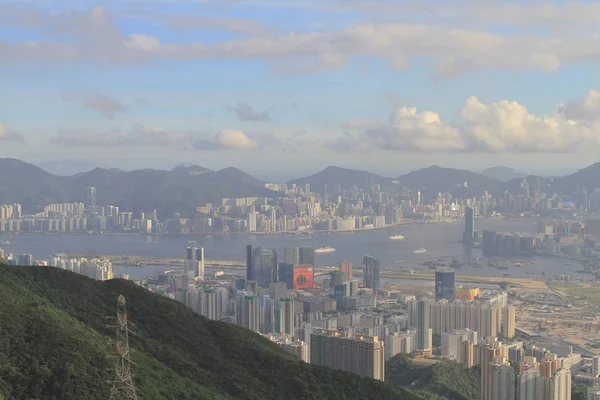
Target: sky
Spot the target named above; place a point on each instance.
(284, 88)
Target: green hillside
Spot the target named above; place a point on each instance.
(446, 380)
(56, 343)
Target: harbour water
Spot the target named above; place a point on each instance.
(440, 239)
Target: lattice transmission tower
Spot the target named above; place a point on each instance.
(122, 386)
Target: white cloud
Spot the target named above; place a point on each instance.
(7, 135)
(452, 51)
(498, 127)
(227, 139)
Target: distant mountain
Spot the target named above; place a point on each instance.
(57, 342)
(180, 190)
(346, 178)
(503, 174)
(588, 177)
(433, 180)
(68, 167)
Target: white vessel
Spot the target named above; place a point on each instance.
(396, 237)
(327, 249)
(5, 243)
(420, 250)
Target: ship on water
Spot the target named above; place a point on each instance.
(5, 243)
(327, 249)
(420, 250)
(396, 237)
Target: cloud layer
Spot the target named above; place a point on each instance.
(498, 127)
(227, 139)
(245, 112)
(7, 135)
(146, 135)
(451, 51)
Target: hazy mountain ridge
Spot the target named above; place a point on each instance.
(180, 190)
(346, 178)
(186, 187)
(503, 174)
(56, 343)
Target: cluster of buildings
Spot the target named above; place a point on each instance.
(94, 268)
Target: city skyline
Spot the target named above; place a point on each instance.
(468, 85)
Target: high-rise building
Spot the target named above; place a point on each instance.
(346, 268)
(530, 385)
(466, 354)
(90, 196)
(502, 377)
(265, 266)
(362, 355)
(469, 232)
(508, 322)
(286, 274)
(558, 387)
(248, 311)
(291, 255)
(444, 284)
(267, 314)
(487, 356)
(194, 261)
(306, 256)
(371, 272)
(250, 275)
(424, 335)
(278, 291)
(284, 316)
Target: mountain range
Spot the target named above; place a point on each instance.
(182, 189)
(56, 342)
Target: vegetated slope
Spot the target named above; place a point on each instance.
(445, 380)
(180, 190)
(433, 180)
(346, 178)
(56, 343)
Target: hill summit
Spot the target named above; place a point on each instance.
(56, 343)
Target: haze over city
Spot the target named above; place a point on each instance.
(299, 199)
(384, 86)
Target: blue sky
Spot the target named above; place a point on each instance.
(281, 88)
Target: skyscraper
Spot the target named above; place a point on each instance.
(530, 385)
(508, 322)
(286, 274)
(424, 335)
(265, 266)
(469, 232)
(306, 256)
(90, 195)
(250, 274)
(444, 284)
(299, 255)
(360, 354)
(371, 272)
(346, 268)
(248, 311)
(291, 255)
(194, 261)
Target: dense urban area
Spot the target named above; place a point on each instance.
(528, 338)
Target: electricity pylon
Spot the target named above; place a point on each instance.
(122, 386)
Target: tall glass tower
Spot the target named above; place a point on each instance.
(444, 284)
